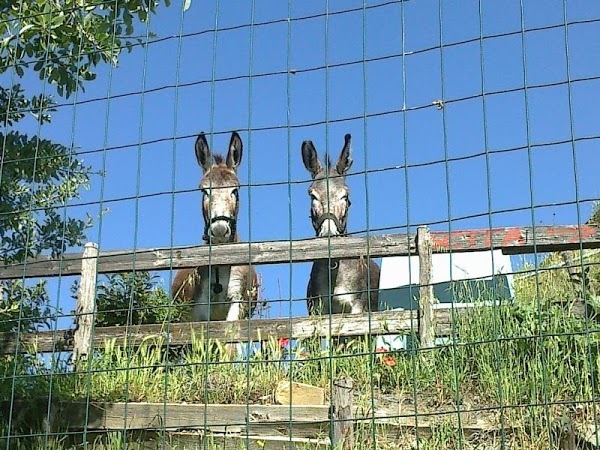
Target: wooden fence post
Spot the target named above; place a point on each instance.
(426, 298)
(86, 303)
(343, 425)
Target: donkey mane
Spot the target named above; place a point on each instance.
(218, 159)
(220, 173)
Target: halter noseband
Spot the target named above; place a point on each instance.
(317, 222)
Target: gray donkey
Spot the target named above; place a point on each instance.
(354, 283)
(218, 292)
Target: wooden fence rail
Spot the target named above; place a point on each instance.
(255, 330)
(281, 424)
(509, 240)
(261, 427)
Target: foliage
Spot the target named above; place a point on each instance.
(37, 178)
(33, 377)
(62, 42)
(134, 298)
(35, 310)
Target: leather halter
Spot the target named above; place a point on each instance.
(217, 287)
(318, 221)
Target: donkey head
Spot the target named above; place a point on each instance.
(219, 186)
(328, 192)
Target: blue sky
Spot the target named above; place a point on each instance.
(373, 72)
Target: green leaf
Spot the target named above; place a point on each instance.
(24, 29)
(51, 31)
(7, 40)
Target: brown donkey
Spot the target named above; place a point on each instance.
(337, 285)
(218, 292)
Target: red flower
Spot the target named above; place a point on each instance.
(282, 342)
(381, 350)
(389, 361)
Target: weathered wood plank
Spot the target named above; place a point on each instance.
(388, 322)
(168, 416)
(387, 434)
(177, 416)
(197, 440)
(510, 240)
(236, 419)
(239, 253)
(382, 323)
(99, 415)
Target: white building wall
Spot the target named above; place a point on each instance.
(400, 271)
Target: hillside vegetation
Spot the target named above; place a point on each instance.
(522, 369)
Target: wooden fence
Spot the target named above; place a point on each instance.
(427, 321)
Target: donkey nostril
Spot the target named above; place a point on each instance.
(328, 228)
(219, 229)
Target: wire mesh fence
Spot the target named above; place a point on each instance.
(361, 224)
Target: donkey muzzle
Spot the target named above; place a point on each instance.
(328, 224)
(220, 229)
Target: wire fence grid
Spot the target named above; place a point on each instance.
(455, 147)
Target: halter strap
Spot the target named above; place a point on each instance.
(217, 287)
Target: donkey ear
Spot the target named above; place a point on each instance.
(344, 162)
(203, 155)
(234, 155)
(310, 158)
